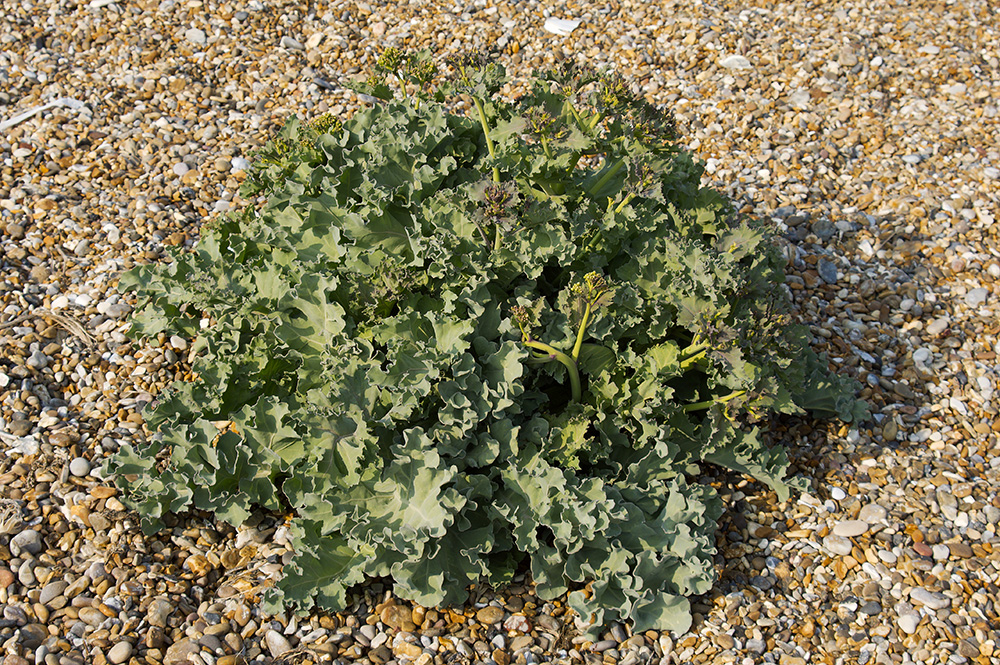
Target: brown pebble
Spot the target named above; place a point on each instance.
(396, 616)
(489, 615)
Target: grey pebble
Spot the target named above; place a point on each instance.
(29, 541)
(603, 645)
(291, 43)
(277, 644)
(871, 608)
(51, 591)
(827, 271)
(37, 360)
(79, 467)
(976, 297)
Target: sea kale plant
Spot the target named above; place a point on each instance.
(454, 345)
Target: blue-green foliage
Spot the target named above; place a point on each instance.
(455, 345)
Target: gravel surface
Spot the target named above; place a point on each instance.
(866, 130)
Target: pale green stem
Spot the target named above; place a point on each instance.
(486, 133)
(580, 333)
(611, 173)
(568, 363)
(625, 201)
(718, 400)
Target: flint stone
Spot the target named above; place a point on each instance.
(931, 599)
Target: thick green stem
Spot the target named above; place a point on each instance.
(489, 141)
(568, 363)
(606, 178)
(691, 360)
(625, 201)
(697, 406)
(580, 333)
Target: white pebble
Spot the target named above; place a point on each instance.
(180, 168)
(837, 494)
(908, 623)
(240, 164)
(79, 467)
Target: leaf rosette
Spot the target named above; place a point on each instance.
(458, 347)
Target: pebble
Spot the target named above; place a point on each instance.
(850, 528)
(873, 513)
(938, 326)
(838, 545)
(976, 297)
(838, 494)
(277, 644)
(79, 467)
(735, 62)
(28, 541)
(932, 599)
(489, 615)
(827, 271)
(195, 36)
(908, 623)
(120, 653)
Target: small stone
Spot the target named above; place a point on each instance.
(240, 164)
(923, 549)
(79, 467)
(838, 545)
(756, 646)
(195, 36)
(489, 615)
(873, 513)
(291, 43)
(51, 591)
(603, 645)
(838, 494)
(938, 326)
(827, 271)
(850, 528)
(181, 169)
(908, 623)
(396, 616)
(725, 641)
(91, 616)
(37, 360)
(158, 611)
(735, 62)
(28, 541)
(940, 552)
(181, 652)
(560, 26)
(976, 297)
(33, 635)
(276, 643)
(120, 653)
(871, 608)
(407, 649)
(518, 622)
(931, 599)
(99, 523)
